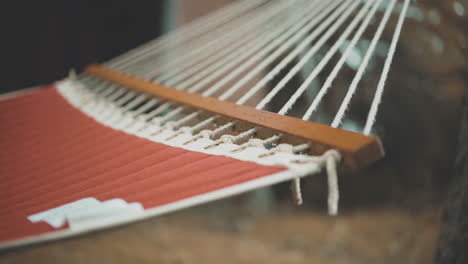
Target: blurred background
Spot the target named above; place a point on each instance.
(389, 212)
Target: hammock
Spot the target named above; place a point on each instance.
(184, 119)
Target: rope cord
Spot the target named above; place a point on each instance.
(262, 64)
(195, 28)
(233, 42)
(149, 68)
(334, 27)
(328, 56)
(352, 89)
(321, 15)
(259, 44)
(380, 86)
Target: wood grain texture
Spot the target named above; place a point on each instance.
(358, 150)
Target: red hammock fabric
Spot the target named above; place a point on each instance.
(52, 154)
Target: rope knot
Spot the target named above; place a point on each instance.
(170, 125)
(288, 148)
(227, 139)
(332, 154)
(255, 142)
(205, 133)
(185, 130)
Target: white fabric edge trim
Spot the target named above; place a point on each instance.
(13, 94)
(171, 207)
(75, 94)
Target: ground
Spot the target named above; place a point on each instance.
(225, 232)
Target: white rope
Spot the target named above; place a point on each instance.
(119, 92)
(237, 31)
(138, 99)
(256, 59)
(109, 90)
(256, 142)
(312, 52)
(329, 161)
(332, 158)
(128, 96)
(334, 73)
(165, 106)
(297, 192)
(117, 102)
(220, 71)
(342, 18)
(360, 73)
(152, 102)
(234, 43)
(216, 41)
(329, 55)
(217, 131)
(190, 30)
(114, 94)
(215, 70)
(205, 67)
(380, 87)
(211, 71)
(322, 14)
(247, 51)
(259, 19)
(203, 124)
(220, 84)
(230, 124)
(280, 51)
(158, 110)
(232, 139)
(159, 60)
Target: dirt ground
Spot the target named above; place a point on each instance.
(224, 232)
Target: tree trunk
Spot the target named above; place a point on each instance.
(453, 241)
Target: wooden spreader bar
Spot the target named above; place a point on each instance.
(358, 150)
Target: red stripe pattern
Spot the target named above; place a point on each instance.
(52, 154)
